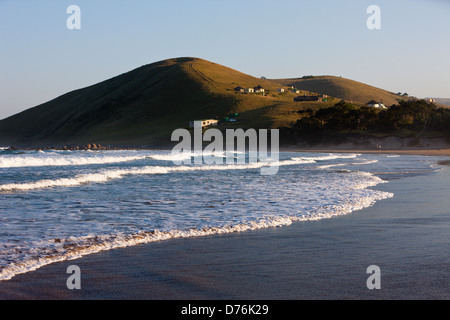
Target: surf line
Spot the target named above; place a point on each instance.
(237, 151)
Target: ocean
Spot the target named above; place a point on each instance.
(61, 205)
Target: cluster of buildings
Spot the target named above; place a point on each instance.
(257, 89)
(203, 123)
(260, 89)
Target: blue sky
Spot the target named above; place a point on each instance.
(40, 58)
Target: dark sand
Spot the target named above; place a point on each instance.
(406, 236)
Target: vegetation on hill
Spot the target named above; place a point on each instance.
(413, 118)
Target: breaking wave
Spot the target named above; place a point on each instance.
(328, 157)
(347, 164)
(58, 160)
(106, 175)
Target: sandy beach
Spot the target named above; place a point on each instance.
(406, 236)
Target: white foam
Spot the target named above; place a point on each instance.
(172, 157)
(61, 160)
(346, 164)
(106, 175)
(42, 159)
(330, 156)
(366, 162)
(182, 156)
(99, 177)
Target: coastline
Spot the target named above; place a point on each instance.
(283, 148)
(418, 152)
(407, 236)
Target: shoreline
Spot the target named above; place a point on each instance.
(418, 152)
(324, 259)
(284, 148)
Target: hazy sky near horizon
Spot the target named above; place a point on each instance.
(40, 58)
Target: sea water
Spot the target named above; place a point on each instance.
(59, 205)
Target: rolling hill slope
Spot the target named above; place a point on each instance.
(140, 107)
(342, 88)
(132, 107)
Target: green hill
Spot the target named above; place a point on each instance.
(342, 88)
(142, 107)
(133, 108)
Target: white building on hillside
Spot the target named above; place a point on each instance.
(376, 104)
(203, 123)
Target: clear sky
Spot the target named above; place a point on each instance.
(40, 58)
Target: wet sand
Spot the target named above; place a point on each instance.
(406, 236)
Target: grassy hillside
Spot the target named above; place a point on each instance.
(342, 88)
(414, 120)
(143, 107)
(443, 101)
(134, 108)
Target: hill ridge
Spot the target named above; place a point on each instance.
(343, 88)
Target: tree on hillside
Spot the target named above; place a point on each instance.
(416, 115)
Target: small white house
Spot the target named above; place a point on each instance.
(376, 104)
(250, 90)
(280, 90)
(203, 123)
